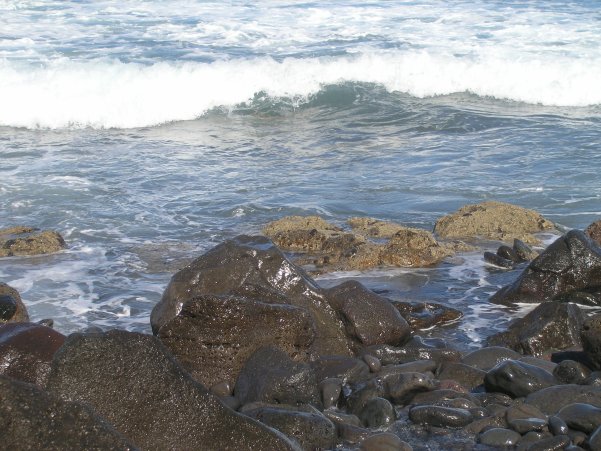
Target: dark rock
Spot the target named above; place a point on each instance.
(523, 251)
(213, 336)
(29, 241)
(556, 443)
(417, 366)
(580, 416)
(361, 393)
(423, 315)
(26, 351)
(594, 441)
(529, 438)
(384, 441)
(483, 424)
(571, 372)
(339, 418)
(550, 326)
(517, 378)
(440, 396)
(593, 379)
(134, 382)
(352, 434)
(578, 356)
(497, 260)
(368, 317)
(524, 411)
(401, 387)
(591, 339)
(546, 365)
(524, 425)
(351, 370)
(550, 400)
(466, 375)
(202, 316)
(488, 357)
(499, 437)
(12, 308)
(222, 389)
(557, 426)
(571, 263)
(373, 363)
(31, 419)
(330, 391)
(493, 220)
(377, 412)
(440, 416)
(48, 322)
(391, 355)
(508, 253)
(311, 430)
(594, 231)
(578, 437)
(270, 376)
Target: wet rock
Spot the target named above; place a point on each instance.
(339, 418)
(391, 355)
(482, 424)
(352, 434)
(12, 308)
(26, 351)
(492, 220)
(423, 315)
(524, 411)
(466, 375)
(523, 251)
(440, 416)
(418, 366)
(594, 441)
(361, 393)
(591, 339)
(580, 416)
(16, 241)
(373, 363)
(222, 389)
(550, 400)
(559, 442)
(578, 356)
(349, 369)
(384, 441)
(301, 233)
(525, 425)
(373, 227)
(134, 382)
(369, 318)
(517, 379)
(594, 231)
(311, 430)
(489, 357)
(593, 379)
(497, 260)
(499, 437)
(571, 372)
(401, 387)
(572, 263)
(509, 253)
(441, 396)
(269, 375)
(33, 419)
(213, 336)
(550, 326)
(557, 426)
(541, 363)
(409, 248)
(330, 391)
(376, 413)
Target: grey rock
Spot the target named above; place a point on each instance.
(591, 339)
(523, 251)
(594, 440)
(400, 388)
(468, 376)
(517, 379)
(440, 416)
(557, 426)
(377, 412)
(499, 437)
(525, 425)
(350, 369)
(330, 391)
(488, 357)
(384, 441)
(524, 411)
(361, 393)
(580, 416)
(373, 363)
(497, 260)
(571, 372)
(442, 396)
(550, 400)
(391, 355)
(558, 442)
(339, 418)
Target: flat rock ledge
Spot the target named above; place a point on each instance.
(495, 221)
(21, 240)
(369, 244)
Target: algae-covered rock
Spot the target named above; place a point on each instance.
(12, 309)
(594, 231)
(493, 220)
(29, 241)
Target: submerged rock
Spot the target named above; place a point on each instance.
(550, 326)
(493, 220)
(136, 384)
(423, 315)
(12, 309)
(26, 350)
(19, 240)
(33, 419)
(571, 264)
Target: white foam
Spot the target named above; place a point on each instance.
(111, 94)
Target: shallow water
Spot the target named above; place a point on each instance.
(146, 136)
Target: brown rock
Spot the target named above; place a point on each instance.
(493, 220)
(12, 308)
(413, 248)
(26, 351)
(374, 228)
(423, 315)
(301, 233)
(594, 231)
(29, 241)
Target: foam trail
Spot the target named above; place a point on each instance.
(112, 94)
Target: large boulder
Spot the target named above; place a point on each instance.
(12, 309)
(550, 326)
(571, 264)
(591, 339)
(369, 318)
(492, 220)
(29, 241)
(26, 350)
(594, 231)
(134, 382)
(32, 419)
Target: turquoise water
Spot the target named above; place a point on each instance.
(147, 134)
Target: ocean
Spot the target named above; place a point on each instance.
(146, 132)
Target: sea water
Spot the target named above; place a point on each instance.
(147, 132)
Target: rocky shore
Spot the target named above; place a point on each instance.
(249, 352)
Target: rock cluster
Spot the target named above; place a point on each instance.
(29, 241)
